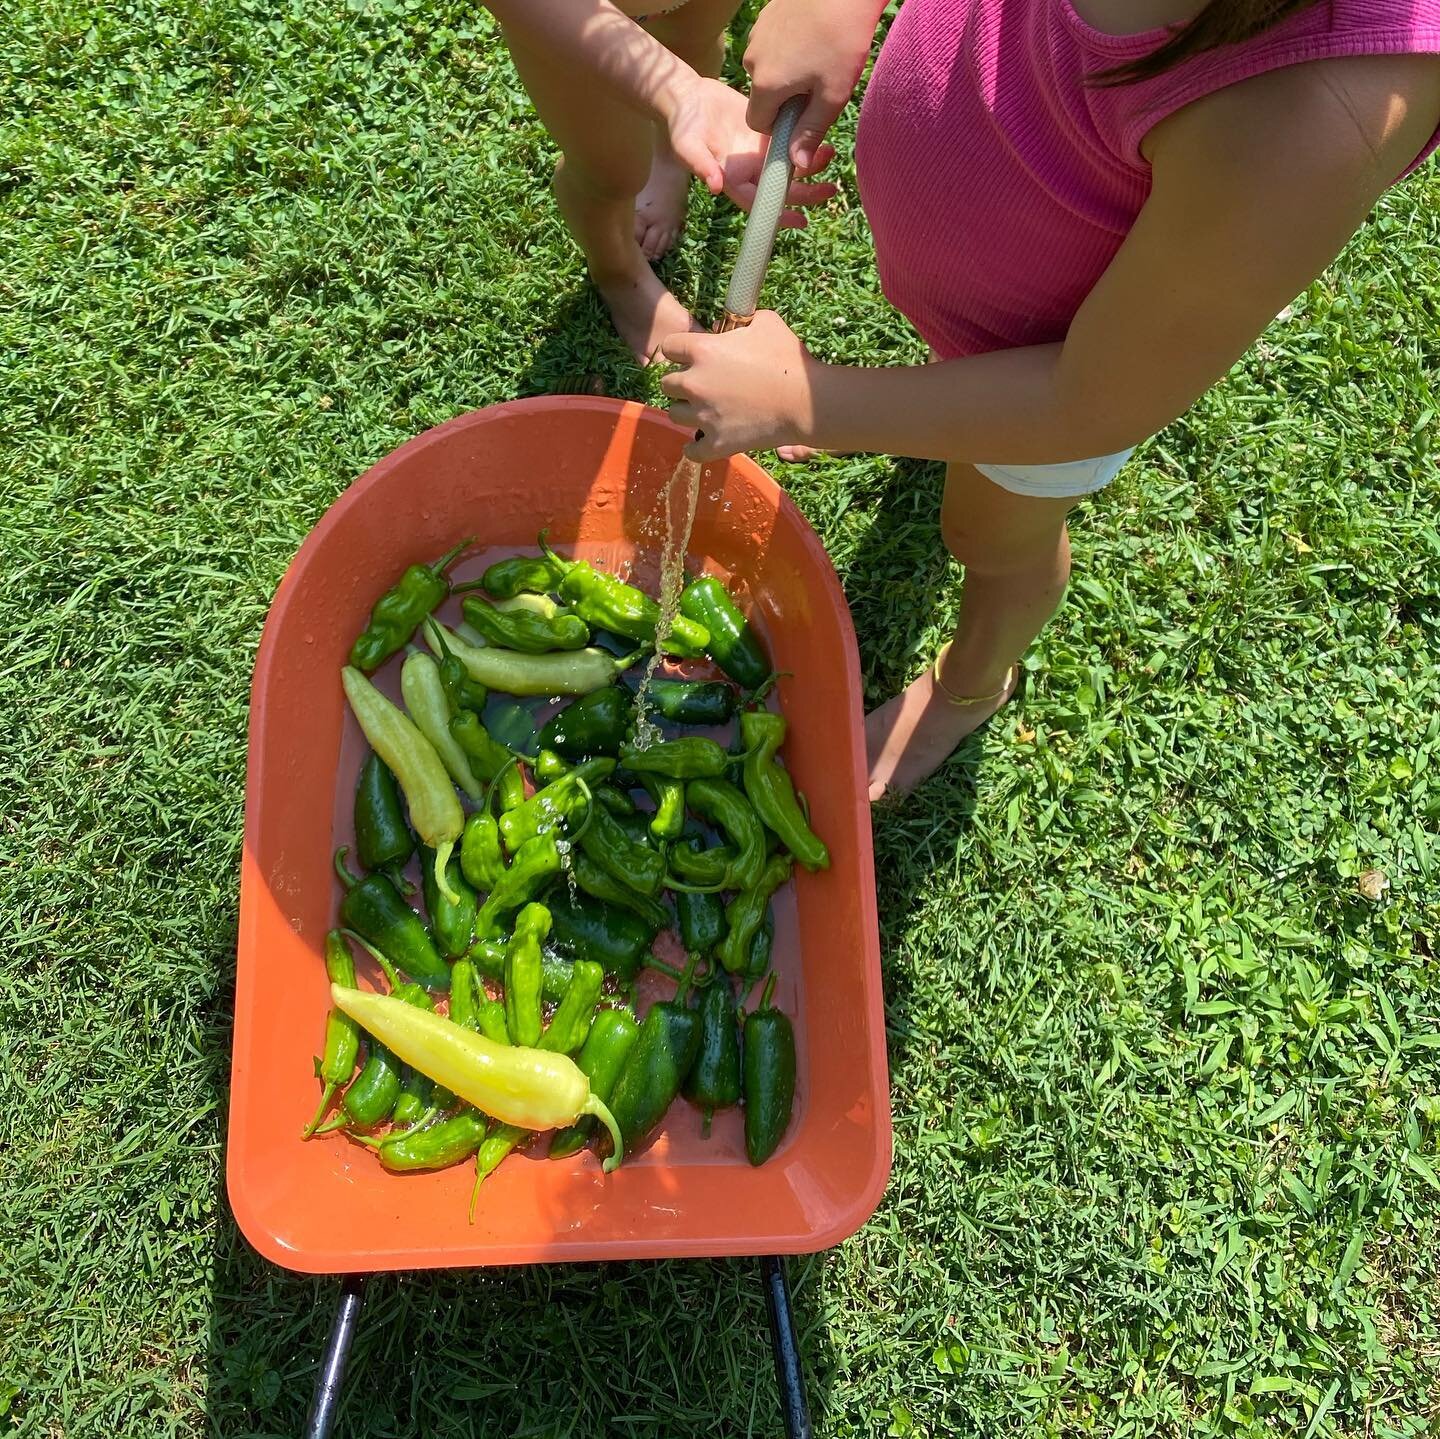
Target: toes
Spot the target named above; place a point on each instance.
(796, 454)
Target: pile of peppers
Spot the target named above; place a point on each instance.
(553, 846)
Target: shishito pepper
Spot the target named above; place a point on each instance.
(452, 923)
(714, 1079)
(657, 1066)
(600, 884)
(464, 994)
(612, 1037)
(488, 957)
(524, 630)
(566, 800)
(399, 611)
(732, 643)
(769, 1078)
(604, 842)
(708, 869)
(746, 913)
(692, 757)
(587, 929)
(429, 707)
(530, 1088)
(490, 1021)
(608, 603)
(548, 766)
(374, 909)
(481, 861)
(463, 692)
(727, 808)
(758, 960)
(770, 789)
(594, 724)
(690, 702)
(436, 1146)
(523, 975)
(434, 810)
(522, 574)
(342, 1037)
(572, 672)
(536, 863)
(668, 820)
(382, 837)
(489, 759)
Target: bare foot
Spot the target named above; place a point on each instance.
(910, 736)
(660, 206)
(644, 311)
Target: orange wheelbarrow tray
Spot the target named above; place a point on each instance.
(591, 471)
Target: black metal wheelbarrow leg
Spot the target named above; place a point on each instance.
(786, 1343)
(326, 1402)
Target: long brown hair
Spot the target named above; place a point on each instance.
(1221, 22)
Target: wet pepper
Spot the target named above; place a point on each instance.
(658, 1065)
(488, 957)
(727, 808)
(769, 1078)
(690, 702)
(382, 837)
(600, 884)
(605, 842)
(489, 759)
(399, 611)
(525, 630)
(770, 789)
(451, 923)
(732, 643)
(700, 918)
(524, 975)
(373, 908)
(566, 800)
(587, 929)
(373, 1097)
(612, 1037)
(342, 1035)
(536, 863)
(481, 861)
(462, 692)
(437, 1146)
(522, 574)
(746, 913)
(570, 672)
(693, 757)
(714, 1079)
(594, 724)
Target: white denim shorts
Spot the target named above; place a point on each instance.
(1057, 482)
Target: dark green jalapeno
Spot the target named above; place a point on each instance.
(771, 791)
(731, 641)
(584, 928)
(452, 923)
(746, 913)
(374, 909)
(690, 702)
(342, 1034)
(700, 918)
(524, 975)
(714, 1079)
(718, 801)
(769, 1078)
(594, 724)
(658, 1065)
(524, 630)
(383, 840)
(522, 574)
(401, 610)
(760, 947)
(612, 1036)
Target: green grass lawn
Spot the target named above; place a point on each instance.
(1165, 1061)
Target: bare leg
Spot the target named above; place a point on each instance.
(696, 33)
(1016, 554)
(605, 157)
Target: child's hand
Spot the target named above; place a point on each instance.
(749, 389)
(808, 47)
(708, 131)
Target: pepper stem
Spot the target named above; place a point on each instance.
(442, 880)
(596, 1106)
(686, 888)
(687, 974)
(564, 566)
(767, 684)
(320, 1112)
(766, 993)
(438, 567)
(495, 780)
(653, 961)
(385, 965)
(589, 810)
(343, 871)
(338, 1122)
(396, 876)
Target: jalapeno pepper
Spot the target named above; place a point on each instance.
(523, 975)
(594, 724)
(437, 1146)
(489, 759)
(522, 574)
(758, 960)
(690, 702)
(732, 643)
(462, 692)
(564, 801)
(600, 884)
(452, 924)
(769, 1078)
(700, 918)
(714, 1079)
(612, 1037)
(434, 810)
(399, 611)
(690, 758)
(770, 789)
(609, 603)
(374, 909)
(587, 929)
(727, 808)
(657, 1066)
(746, 913)
(573, 672)
(536, 862)
(481, 862)
(342, 1037)
(606, 843)
(523, 630)
(382, 837)
(488, 957)
(668, 820)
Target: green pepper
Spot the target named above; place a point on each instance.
(481, 861)
(461, 691)
(412, 1093)
(727, 808)
(585, 928)
(690, 702)
(373, 908)
(608, 603)
(600, 884)
(714, 1079)
(606, 843)
(759, 958)
(437, 1146)
(708, 868)
(382, 837)
(399, 611)
(488, 957)
(769, 1085)
(429, 794)
(371, 1096)
(634, 826)
(524, 630)
(573, 672)
(615, 800)
(451, 924)
(700, 918)
(464, 994)
(489, 758)
(732, 643)
(693, 757)
(668, 820)
(548, 766)
(490, 1021)
(524, 975)
(658, 1065)
(770, 789)
(594, 724)
(522, 574)
(612, 1037)
(746, 913)
(429, 708)
(563, 801)
(512, 723)
(536, 862)
(342, 1034)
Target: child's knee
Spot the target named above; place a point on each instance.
(611, 179)
(988, 545)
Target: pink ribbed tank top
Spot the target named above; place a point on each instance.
(999, 184)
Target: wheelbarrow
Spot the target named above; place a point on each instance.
(592, 471)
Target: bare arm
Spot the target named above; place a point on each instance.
(1256, 189)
